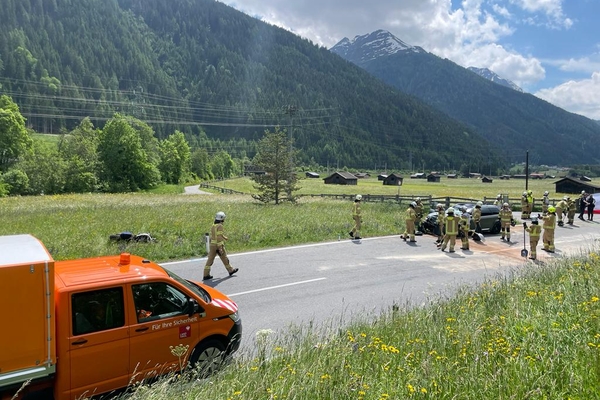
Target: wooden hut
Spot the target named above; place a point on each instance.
(341, 178)
(575, 186)
(393, 179)
(485, 179)
(312, 175)
(433, 178)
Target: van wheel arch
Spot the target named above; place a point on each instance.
(208, 356)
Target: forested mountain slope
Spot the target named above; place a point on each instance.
(198, 65)
(511, 120)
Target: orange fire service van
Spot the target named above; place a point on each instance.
(83, 327)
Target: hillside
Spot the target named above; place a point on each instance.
(510, 120)
(201, 66)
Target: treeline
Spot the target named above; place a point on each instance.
(124, 156)
(199, 66)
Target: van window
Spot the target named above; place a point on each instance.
(157, 300)
(97, 310)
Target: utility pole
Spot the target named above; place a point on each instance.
(527, 170)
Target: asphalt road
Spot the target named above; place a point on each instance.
(328, 284)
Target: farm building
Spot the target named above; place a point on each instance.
(584, 178)
(485, 179)
(341, 178)
(433, 178)
(519, 176)
(381, 177)
(507, 177)
(537, 176)
(575, 186)
(313, 175)
(253, 170)
(418, 175)
(476, 175)
(451, 176)
(393, 179)
(362, 175)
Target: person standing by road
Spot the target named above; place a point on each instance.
(498, 201)
(357, 217)
(419, 212)
(572, 209)
(524, 205)
(506, 220)
(217, 247)
(464, 225)
(549, 227)
(591, 204)
(477, 217)
(582, 204)
(534, 236)
(441, 220)
(530, 201)
(410, 218)
(545, 202)
(451, 231)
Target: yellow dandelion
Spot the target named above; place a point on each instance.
(423, 390)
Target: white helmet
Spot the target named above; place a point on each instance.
(546, 193)
(524, 193)
(499, 196)
(418, 199)
(358, 197)
(220, 216)
(479, 203)
(505, 205)
(583, 192)
(450, 210)
(413, 204)
(566, 198)
(440, 206)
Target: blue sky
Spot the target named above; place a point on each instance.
(550, 48)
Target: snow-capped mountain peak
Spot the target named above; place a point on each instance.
(492, 76)
(371, 46)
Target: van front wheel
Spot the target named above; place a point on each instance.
(208, 357)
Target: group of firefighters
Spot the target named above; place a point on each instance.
(456, 223)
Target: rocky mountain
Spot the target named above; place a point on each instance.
(511, 120)
(492, 76)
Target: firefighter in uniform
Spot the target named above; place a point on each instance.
(530, 201)
(572, 210)
(582, 204)
(477, 216)
(419, 211)
(506, 220)
(545, 202)
(549, 225)
(410, 218)
(357, 217)
(498, 201)
(534, 236)
(217, 247)
(441, 220)
(524, 205)
(464, 224)
(451, 231)
(561, 207)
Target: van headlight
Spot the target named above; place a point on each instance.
(235, 317)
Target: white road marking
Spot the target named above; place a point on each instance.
(275, 287)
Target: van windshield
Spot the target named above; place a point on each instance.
(203, 294)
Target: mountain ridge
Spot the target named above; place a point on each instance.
(512, 121)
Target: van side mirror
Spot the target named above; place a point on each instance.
(192, 307)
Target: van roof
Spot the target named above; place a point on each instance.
(22, 249)
(87, 271)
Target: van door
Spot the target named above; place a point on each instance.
(159, 324)
(99, 341)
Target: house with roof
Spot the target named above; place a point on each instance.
(341, 178)
(393, 179)
(575, 186)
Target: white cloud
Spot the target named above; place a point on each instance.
(503, 11)
(551, 8)
(581, 97)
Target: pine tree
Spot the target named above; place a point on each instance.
(277, 159)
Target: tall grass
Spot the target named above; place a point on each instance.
(534, 335)
(76, 226)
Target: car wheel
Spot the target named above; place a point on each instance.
(208, 357)
(495, 228)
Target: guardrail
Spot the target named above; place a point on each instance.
(220, 189)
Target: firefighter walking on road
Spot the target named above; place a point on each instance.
(549, 226)
(506, 220)
(451, 231)
(410, 218)
(357, 217)
(535, 231)
(217, 247)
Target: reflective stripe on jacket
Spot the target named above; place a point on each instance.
(216, 232)
(451, 225)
